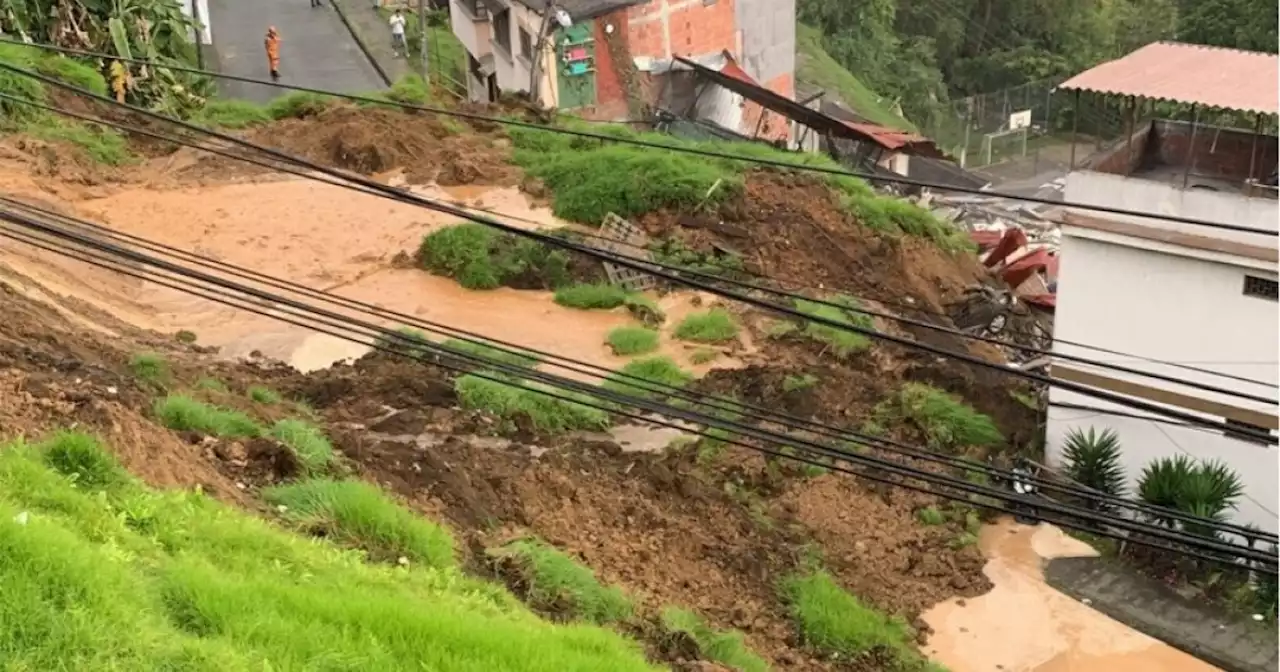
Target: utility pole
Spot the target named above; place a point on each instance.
(422, 46)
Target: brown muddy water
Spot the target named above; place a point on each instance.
(1025, 625)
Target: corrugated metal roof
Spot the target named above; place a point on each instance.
(1190, 73)
(891, 139)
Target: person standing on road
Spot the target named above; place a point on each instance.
(273, 51)
(398, 45)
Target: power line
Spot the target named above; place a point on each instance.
(643, 266)
(594, 370)
(632, 141)
(1231, 550)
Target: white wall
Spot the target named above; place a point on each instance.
(199, 10)
(1176, 309)
(1138, 194)
(472, 33)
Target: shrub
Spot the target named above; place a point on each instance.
(945, 420)
(1093, 459)
(628, 341)
(832, 620)
(661, 370)
(149, 367)
(513, 399)
(308, 443)
(358, 514)
(726, 647)
(298, 105)
(842, 342)
(930, 515)
(591, 296)
(712, 326)
(183, 413)
(553, 578)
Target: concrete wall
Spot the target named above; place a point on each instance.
(768, 41)
(472, 32)
(513, 70)
(1174, 309)
(1137, 194)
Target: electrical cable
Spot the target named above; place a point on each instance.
(1258, 560)
(564, 384)
(637, 142)
(628, 262)
(792, 422)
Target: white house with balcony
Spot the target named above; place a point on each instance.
(1195, 303)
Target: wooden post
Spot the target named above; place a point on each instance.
(1130, 112)
(1075, 126)
(1253, 149)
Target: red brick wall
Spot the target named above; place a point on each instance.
(1221, 153)
(695, 28)
(775, 126)
(611, 94)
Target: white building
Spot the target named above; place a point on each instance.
(1178, 293)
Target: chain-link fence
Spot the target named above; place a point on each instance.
(1027, 129)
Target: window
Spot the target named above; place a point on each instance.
(475, 9)
(1262, 288)
(502, 30)
(526, 44)
(1251, 438)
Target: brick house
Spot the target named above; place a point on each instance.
(608, 59)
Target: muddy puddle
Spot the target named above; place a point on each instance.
(1024, 625)
(342, 242)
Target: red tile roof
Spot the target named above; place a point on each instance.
(1190, 73)
(732, 69)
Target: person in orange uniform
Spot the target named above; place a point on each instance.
(273, 51)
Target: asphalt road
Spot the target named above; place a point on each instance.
(316, 49)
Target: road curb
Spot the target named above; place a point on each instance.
(364, 48)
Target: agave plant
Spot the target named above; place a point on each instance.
(1205, 490)
(1093, 460)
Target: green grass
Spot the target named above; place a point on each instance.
(72, 72)
(833, 621)
(264, 395)
(704, 356)
(493, 353)
(712, 326)
(944, 419)
(357, 514)
(82, 459)
(149, 367)
(480, 258)
(842, 343)
(308, 443)
(661, 370)
(404, 340)
(803, 381)
(627, 341)
(185, 336)
(554, 579)
(816, 67)
(644, 309)
(298, 105)
(930, 515)
(520, 400)
(728, 648)
(211, 384)
(125, 578)
(593, 296)
(231, 114)
(182, 413)
(104, 146)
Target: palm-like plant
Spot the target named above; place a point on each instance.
(1093, 460)
(1205, 490)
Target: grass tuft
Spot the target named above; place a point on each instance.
(712, 326)
(264, 395)
(515, 400)
(726, 647)
(150, 367)
(493, 353)
(555, 579)
(842, 343)
(184, 414)
(704, 356)
(357, 514)
(945, 420)
(594, 296)
(793, 383)
(661, 370)
(308, 443)
(83, 459)
(627, 341)
(480, 258)
(231, 114)
(832, 620)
